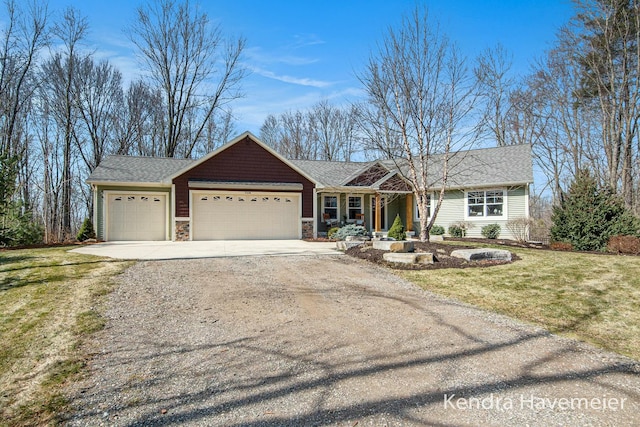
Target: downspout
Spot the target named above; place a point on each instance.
(94, 189)
(172, 213)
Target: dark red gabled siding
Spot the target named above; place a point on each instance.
(244, 161)
(395, 183)
(370, 176)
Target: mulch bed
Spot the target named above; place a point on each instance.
(441, 252)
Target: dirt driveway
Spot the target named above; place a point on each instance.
(272, 341)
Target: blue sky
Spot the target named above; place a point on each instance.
(300, 52)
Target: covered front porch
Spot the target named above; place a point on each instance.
(375, 211)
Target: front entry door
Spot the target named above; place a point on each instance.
(383, 212)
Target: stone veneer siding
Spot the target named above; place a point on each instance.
(182, 231)
(307, 229)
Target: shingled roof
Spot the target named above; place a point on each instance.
(330, 174)
(496, 166)
(131, 169)
(509, 165)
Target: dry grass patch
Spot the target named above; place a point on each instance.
(49, 301)
(594, 298)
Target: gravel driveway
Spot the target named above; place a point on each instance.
(272, 341)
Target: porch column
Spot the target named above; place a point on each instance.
(409, 216)
(378, 219)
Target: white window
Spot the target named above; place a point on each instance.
(330, 207)
(354, 206)
(417, 211)
(485, 203)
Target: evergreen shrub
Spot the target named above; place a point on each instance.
(397, 229)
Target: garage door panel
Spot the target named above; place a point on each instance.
(136, 217)
(244, 217)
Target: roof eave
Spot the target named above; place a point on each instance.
(345, 189)
(128, 183)
(487, 185)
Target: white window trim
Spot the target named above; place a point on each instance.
(337, 196)
(359, 196)
(416, 213)
(485, 217)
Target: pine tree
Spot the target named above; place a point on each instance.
(588, 216)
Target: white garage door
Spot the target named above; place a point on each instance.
(136, 217)
(233, 216)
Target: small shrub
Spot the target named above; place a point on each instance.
(520, 228)
(561, 246)
(437, 230)
(397, 229)
(459, 229)
(456, 231)
(491, 231)
(349, 230)
(629, 245)
(332, 232)
(86, 231)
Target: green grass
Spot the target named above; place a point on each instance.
(48, 300)
(590, 297)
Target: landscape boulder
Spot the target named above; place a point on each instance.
(482, 254)
(409, 258)
(393, 245)
(344, 245)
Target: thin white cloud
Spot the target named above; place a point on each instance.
(304, 40)
(256, 55)
(301, 81)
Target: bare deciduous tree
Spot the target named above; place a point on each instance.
(495, 85)
(324, 132)
(419, 96)
(24, 35)
(333, 130)
(22, 39)
(607, 37)
(196, 70)
(139, 130)
(71, 30)
(99, 98)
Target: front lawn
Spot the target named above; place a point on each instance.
(591, 297)
(49, 301)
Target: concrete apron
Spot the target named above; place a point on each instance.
(206, 249)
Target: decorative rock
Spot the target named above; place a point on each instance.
(481, 254)
(408, 258)
(344, 245)
(436, 238)
(401, 246)
(393, 245)
(357, 238)
(424, 258)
